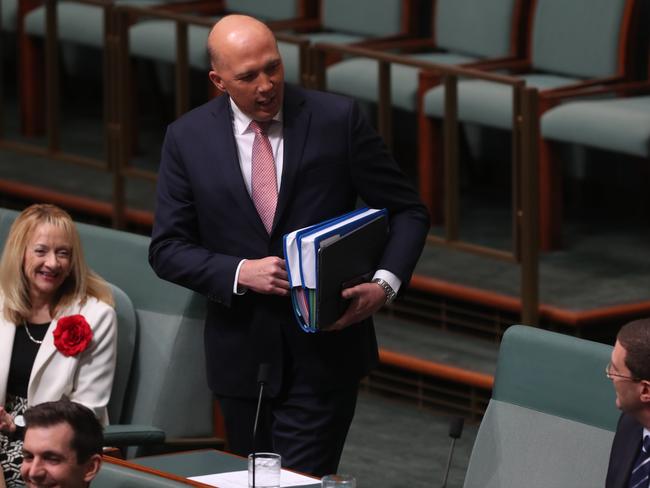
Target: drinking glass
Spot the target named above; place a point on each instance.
(267, 470)
(338, 481)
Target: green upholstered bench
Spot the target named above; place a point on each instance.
(552, 416)
(112, 475)
(465, 31)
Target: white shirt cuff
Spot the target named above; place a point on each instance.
(239, 290)
(389, 278)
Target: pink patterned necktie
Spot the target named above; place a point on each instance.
(264, 184)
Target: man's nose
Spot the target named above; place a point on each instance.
(265, 83)
(36, 469)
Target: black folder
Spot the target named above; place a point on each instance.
(347, 262)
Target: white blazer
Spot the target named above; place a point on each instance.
(86, 378)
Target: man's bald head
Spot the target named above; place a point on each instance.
(246, 65)
(235, 31)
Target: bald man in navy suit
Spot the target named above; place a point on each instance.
(211, 236)
(629, 370)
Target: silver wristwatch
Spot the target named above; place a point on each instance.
(388, 290)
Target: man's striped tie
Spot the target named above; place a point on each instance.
(264, 183)
(641, 472)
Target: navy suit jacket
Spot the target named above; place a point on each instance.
(625, 449)
(206, 223)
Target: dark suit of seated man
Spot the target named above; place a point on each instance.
(629, 370)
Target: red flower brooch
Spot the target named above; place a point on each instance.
(72, 335)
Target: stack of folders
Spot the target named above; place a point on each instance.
(325, 258)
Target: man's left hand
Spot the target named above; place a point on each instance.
(366, 298)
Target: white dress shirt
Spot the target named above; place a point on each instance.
(244, 137)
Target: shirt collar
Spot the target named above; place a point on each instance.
(241, 121)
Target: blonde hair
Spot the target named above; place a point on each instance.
(80, 284)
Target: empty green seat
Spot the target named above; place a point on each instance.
(571, 42)
(79, 23)
(552, 415)
(465, 31)
(155, 39)
(620, 124)
(565, 49)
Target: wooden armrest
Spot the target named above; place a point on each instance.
(494, 64)
(202, 7)
(512, 64)
(297, 24)
(621, 89)
(401, 44)
(383, 43)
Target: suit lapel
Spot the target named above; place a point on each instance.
(295, 121)
(223, 151)
(628, 455)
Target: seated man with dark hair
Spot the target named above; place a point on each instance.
(62, 446)
(629, 370)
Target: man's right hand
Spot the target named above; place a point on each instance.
(267, 276)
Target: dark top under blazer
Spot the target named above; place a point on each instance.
(206, 223)
(625, 448)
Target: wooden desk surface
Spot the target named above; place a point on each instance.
(197, 463)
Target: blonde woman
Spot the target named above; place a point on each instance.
(58, 328)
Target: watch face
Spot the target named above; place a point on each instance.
(19, 421)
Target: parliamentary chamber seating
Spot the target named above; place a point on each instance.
(546, 43)
(552, 415)
(566, 50)
(160, 391)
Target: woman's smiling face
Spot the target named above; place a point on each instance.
(47, 261)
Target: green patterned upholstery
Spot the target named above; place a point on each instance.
(621, 125)
(579, 38)
(552, 415)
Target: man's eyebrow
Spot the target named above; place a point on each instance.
(245, 74)
(52, 454)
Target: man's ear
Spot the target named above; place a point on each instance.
(217, 81)
(91, 467)
(645, 391)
